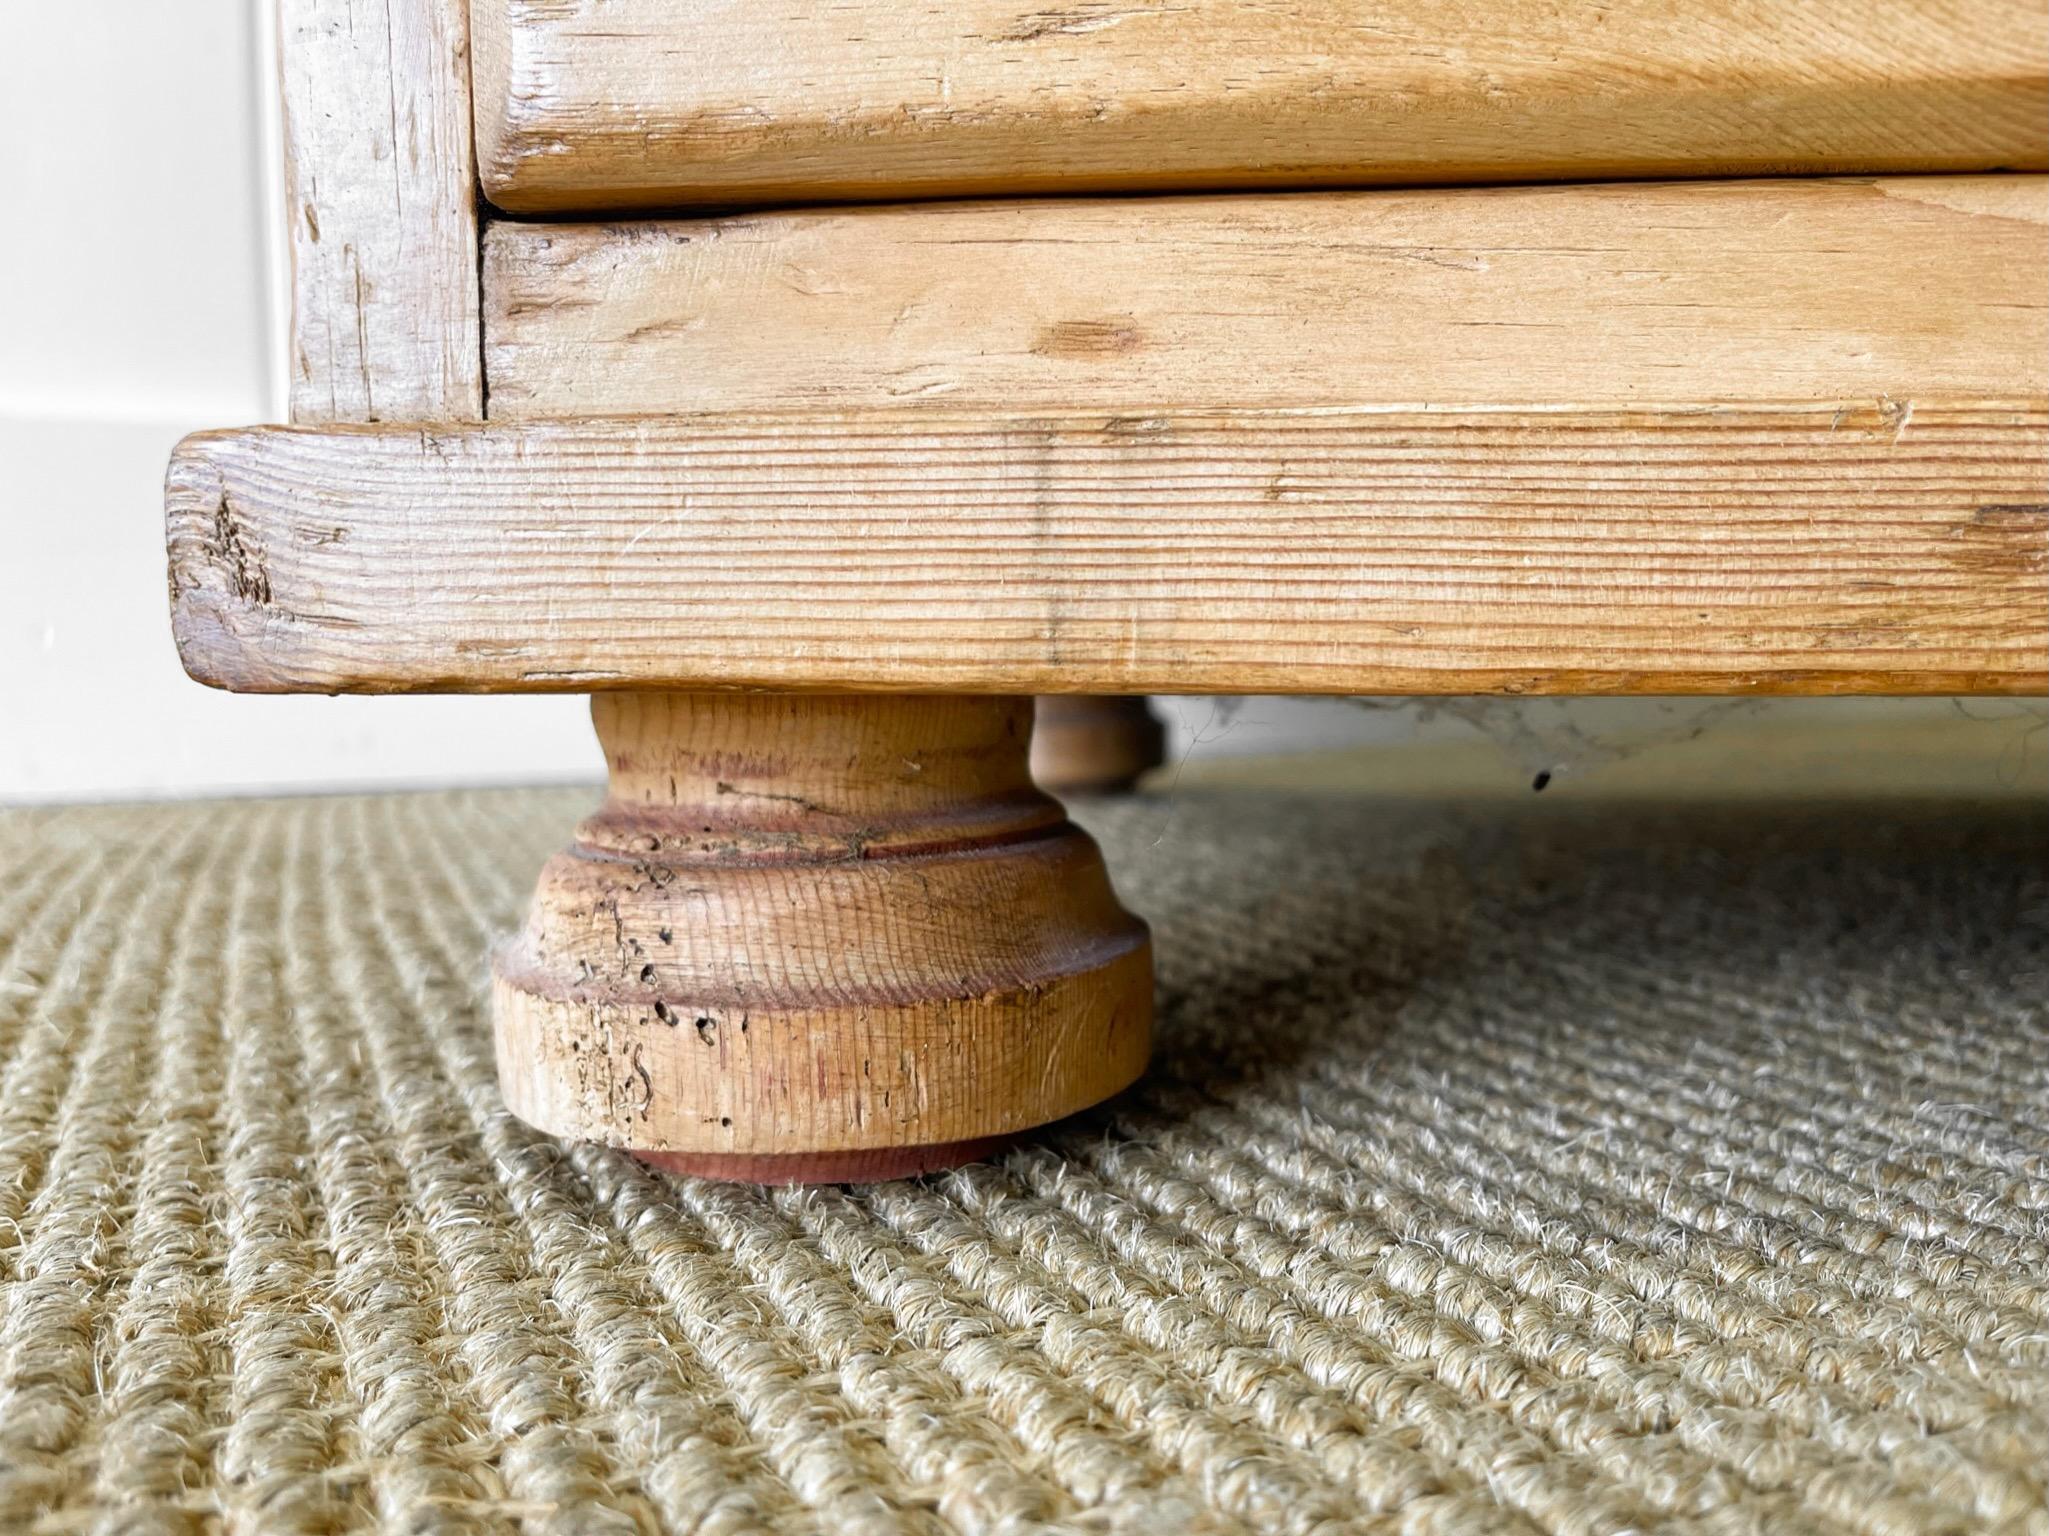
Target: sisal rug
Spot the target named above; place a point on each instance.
(1505, 1169)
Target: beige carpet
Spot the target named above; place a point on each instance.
(1515, 1167)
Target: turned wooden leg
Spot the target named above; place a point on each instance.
(814, 938)
(1095, 742)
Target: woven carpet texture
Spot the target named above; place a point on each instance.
(1504, 1169)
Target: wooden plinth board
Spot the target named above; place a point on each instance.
(1889, 546)
(813, 938)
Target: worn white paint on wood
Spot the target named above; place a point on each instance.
(381, 205)
(1576, 295)
(634, 103)
(1844, 547)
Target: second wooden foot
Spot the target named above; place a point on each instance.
(1090, 742)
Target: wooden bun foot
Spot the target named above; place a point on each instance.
(815, 938)
(1095, 742)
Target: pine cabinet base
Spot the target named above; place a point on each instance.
(818, 938)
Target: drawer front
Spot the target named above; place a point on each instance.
(598, 104)
(1618, 294)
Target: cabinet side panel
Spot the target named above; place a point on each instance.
(380, 202)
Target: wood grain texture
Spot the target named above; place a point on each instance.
(1896, 546)
(1705, 291)
(803, 929)
(586, 104)
(380, 190)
